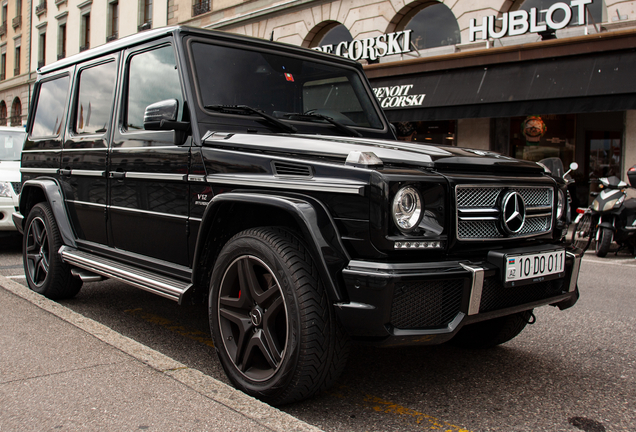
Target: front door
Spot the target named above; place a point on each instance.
(148, 205)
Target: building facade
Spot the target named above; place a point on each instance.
(526, 78)
(14, 63)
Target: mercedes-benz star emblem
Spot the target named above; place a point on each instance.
(513, 211)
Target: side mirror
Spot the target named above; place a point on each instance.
(574, 166)
(165, 110)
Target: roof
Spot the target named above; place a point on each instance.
(149, 35)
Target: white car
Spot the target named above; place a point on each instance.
(11, 140)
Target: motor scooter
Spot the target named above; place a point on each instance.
(611, 217)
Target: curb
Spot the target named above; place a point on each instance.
(205, 385)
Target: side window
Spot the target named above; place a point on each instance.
(95, 98)
(49, 114)
(152, 77)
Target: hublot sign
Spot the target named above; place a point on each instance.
(519, 22)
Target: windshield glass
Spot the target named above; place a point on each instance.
(11, 145)
(281, 85)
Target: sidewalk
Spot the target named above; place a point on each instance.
(62, 371)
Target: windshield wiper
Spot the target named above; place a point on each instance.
(244, 109)
(309, 115)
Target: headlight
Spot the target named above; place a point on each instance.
(5, 189)
(407, 209)
(560, 204)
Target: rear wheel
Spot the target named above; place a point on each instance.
(45, 272)
(604, 241)
(582, 234)
(272, 323)
(487, 334)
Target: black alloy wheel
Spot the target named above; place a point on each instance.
(45, 272)
(253, 318)
(273, 326)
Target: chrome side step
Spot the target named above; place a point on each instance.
(164, 286)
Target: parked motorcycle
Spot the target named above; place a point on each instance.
(611, 217)
(554, 166)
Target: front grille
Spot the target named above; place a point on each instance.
(429, 304)
(478, 211)
(495, 296)
(17, 187)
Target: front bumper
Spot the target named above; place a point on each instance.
(427, 303)
(7, 207)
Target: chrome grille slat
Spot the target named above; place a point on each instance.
(476, 204)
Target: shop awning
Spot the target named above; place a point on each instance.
(573, 84)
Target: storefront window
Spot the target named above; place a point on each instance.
(427, 132)
(543, 136)
(605, 153)
(433, 26)
(333, 36)
(595, 9)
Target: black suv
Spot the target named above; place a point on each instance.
(265, 179)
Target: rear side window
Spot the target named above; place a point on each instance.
(95, 98)
(49, 114)
(153, 77)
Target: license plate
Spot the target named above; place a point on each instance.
(533, 267)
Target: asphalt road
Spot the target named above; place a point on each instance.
(572, 370)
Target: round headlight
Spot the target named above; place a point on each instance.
(560, 204)
(407, 208)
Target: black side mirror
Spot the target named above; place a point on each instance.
(165, 110)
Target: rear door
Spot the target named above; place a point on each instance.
(147, 180)
(85, 153)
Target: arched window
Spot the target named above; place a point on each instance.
(433, 25)
(595, 10)
(3, 113)
(16, 112)
(330, 33)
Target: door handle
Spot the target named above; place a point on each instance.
(65, 171)
(117, 175)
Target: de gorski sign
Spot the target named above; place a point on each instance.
(520, 22)
(372, 48)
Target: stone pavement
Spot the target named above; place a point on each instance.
(62, 371)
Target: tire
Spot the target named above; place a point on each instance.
(582, 234)
(45, 272)
(604, 241)
(488, 334)
(271, 320)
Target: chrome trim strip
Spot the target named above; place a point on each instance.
(528, 216)
(355, 305)
(85, 149)
(295, 184)
(476, 288)
(145, 148)
(575, 270)
(479, 210)
(86, 203)
(39, 170)
(154, 176)
(88, 173)
(477, 218)
(148, 212)
(108, 268)
(58, 150)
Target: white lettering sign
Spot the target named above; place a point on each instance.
(398, 96)
(372, 48)
(519, 22)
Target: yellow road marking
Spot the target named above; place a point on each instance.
(192, 334)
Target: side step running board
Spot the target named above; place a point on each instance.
(164, 286)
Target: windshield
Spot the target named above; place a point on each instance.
(281, 85)
(11, 145)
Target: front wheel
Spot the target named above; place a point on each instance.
(272, 323)
(45, 272)
(604, 241)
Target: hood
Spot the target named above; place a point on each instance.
(414, 154)
(10, 171)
